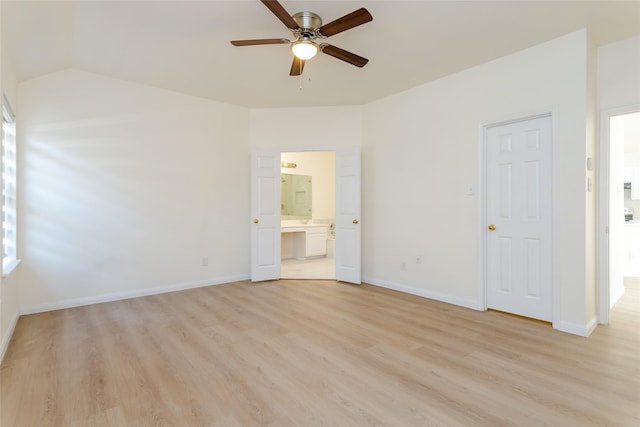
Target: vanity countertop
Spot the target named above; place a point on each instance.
(292, 227)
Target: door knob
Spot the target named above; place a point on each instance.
(256, 220)
(355, 221)
(492, 227)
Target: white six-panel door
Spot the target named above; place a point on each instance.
(519, 218)
(265, 215)
(348, 234)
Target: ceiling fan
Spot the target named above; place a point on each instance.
(306, 28)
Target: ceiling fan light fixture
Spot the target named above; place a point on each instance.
(304, 49)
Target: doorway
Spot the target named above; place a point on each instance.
(266, 224)
(518, 234)
(308, 193)
(619, 206)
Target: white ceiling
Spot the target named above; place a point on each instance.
(184, 45)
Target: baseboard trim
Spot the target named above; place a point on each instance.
(7, 338)
(116, 296)
(576, 328)
(462, 302)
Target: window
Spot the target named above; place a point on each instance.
(9, 255)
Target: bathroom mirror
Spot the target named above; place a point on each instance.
(295, 196)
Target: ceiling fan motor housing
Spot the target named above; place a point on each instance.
(307, 21)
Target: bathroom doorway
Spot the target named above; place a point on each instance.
(619, 207)
(307, 209)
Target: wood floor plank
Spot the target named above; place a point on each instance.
(315, 353)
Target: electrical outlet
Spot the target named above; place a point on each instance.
(404, 265)
(418, 259)
(205, 261)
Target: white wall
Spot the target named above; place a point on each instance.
(9, 303)
(125, 188)
(420, 154)
(293, 129)
(618, 71)
(590, 208)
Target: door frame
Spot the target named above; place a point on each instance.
(602, 203)
(279, 150)
(482, 205)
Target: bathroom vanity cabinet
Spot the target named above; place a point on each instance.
(316, 241)
(304, 241)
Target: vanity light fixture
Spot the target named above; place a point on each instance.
(288, 165)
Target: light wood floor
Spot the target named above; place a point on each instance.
(306, 353)
(314, 268)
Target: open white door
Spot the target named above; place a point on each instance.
(348, 246)
(265, 215)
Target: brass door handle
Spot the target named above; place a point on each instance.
(256, 220)
(355, 221)
(492, 227)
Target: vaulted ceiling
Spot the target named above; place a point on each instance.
(184, 46)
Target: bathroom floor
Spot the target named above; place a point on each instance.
(314, 268)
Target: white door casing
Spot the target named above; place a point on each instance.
(348, 221)
(265, 215)
(519, 188)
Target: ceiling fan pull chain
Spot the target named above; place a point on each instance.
(300, 88)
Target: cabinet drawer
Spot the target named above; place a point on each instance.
(317, 231)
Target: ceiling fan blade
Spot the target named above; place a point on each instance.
(259, 41)
(297, 66)
(344, 55)
(281, 13)
(358, 17)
